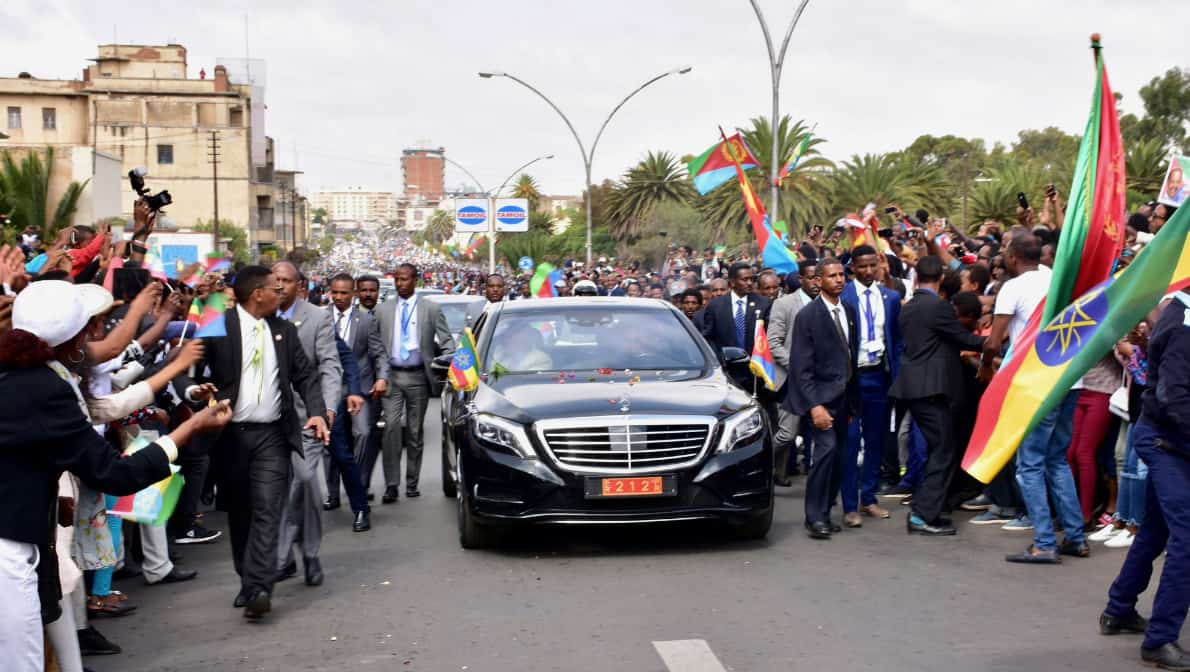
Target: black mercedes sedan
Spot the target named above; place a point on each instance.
(602, 411)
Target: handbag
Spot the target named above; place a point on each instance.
(1118, 402)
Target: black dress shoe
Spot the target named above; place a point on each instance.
(1072, 549)
(1133, 624)
(915, 525)
(362, 523)
(288, 571)
(818, 530)
(1167, 657)
(390, 495)
(835, 528)
(241, 599)
(313, 571)
(257, 605)
(412, 492)
(178, 575)
(92, 643)
(330, 503)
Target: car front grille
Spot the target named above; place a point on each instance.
(624, 444)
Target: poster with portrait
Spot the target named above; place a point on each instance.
(1175, 189)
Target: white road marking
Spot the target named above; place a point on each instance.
(688, 655)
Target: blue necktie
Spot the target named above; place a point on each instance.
(739, 323)
(402, 350)
(871, 315)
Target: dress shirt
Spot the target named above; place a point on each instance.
(803, 297)
(260, 392)
(287, 314)
(871, 350)
(342, 321)
(411, 340)
(836, 309)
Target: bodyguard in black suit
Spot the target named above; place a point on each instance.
(822, 386)
(258, 379)
(730, 320)
(931, 383)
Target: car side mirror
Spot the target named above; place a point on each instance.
(734, 355)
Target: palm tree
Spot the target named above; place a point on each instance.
(658, 178)
(526, 187)
(886, 179)
(24, 194)
(802, 198)
(1146, 162)
(440, 226)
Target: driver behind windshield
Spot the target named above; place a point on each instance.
(522, 349)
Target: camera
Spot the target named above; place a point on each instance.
(136, 178)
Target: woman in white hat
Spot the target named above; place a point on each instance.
(44, 430)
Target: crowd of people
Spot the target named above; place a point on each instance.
(882, 349)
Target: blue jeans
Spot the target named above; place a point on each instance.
(1131, 500)
(871, 425)
(1042, 470)
(1166, 528)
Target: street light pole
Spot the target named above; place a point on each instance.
(588, 157)
(776, 62)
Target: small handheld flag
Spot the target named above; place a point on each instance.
(716, 166)
(761, 363)
(541, 285)
(464, 368)
(794, 159)
(208, 316)
(217, 263)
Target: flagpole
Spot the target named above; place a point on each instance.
(776, 62)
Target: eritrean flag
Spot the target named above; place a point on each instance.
(773, 252)
(464, 368)
(761, 363)
(217, 263)
(1093, 231)
(470, 251)
(716, 165)
(541, 285)
(794, 159)
(207, 316)
(1047, 360)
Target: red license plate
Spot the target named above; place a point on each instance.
(648, 486)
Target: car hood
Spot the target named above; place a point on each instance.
(528, 398)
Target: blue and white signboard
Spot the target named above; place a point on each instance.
(471, 215)
(525, 264)
(512, 214)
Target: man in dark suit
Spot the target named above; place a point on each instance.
(340, 456)
(258, 379)
(367, 291)
(930, 383)
(879, 357)
(730, 320)
(359, 328)
(822, 387)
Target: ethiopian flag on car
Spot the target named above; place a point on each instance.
(464, 368)
(1048, 359)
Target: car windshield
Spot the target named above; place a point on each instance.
(592, 338)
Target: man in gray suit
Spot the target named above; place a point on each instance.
(780, 333)
(301, 520)
(361, 331)
(415, 332)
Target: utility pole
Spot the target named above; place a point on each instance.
(213, 159)
(966, 224)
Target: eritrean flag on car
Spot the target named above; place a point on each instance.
(761, 363)
(464, 368)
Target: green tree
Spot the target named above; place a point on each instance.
(1146, 161)
(885, 179)
(1166, 100)
(440, 226)
(238, 236)
(24, 194)
(319, 216)
(526, 187)
(1051, 148)
(657, 179)
(326, 244)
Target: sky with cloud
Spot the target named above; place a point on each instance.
(352, 84)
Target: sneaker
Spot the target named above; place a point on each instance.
(1018, 524)
(1122, 540)
(1104, 533)
(991, 517)
(197, 534)
(980, 503)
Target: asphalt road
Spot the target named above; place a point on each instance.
(405, 596)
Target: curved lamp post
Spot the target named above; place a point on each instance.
(588, 157)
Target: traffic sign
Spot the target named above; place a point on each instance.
(471, 215)
(525, 264)
(512, 214)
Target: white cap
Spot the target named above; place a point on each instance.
(56, 311)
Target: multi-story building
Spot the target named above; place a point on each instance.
(357, 208)
(137, 104)
(424, 172)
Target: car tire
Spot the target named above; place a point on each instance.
(449, 487)
(472, 533)
(757, 528)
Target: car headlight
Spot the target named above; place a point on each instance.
(741, 427)
(501, 432)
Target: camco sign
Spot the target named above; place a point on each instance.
(471, 215)
(512, 214)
